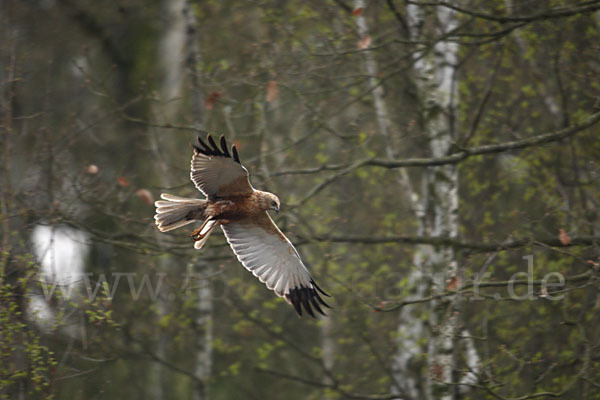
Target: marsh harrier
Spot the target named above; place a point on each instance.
(241, 212)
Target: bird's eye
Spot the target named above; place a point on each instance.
(274, 204)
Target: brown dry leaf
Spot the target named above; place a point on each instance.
(122, 181)
(92, 169)
(593, 263)
(272, 91)
(564, 237)
(364, 42)
(145, 196)
(452, 283)
(357, 11)
(212, 99)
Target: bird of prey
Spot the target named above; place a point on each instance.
(241, 212)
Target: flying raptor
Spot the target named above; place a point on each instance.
(241, 212)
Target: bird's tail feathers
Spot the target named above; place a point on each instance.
(174, 212)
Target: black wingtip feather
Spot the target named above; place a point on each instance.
(203, 147)
(293, 298)
(315, 304)
(318, 288)
(224, 147)
(323, 302)
(236, 157)
(307, 298)
(306, 303)
(212, 149)
(213, 145)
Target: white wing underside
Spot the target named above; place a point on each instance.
(268, 255)
(261, 247)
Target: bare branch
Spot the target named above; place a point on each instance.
(457, 157)
(468, 288)
(456, 243)
(490, 148)
(485, 98)
(557, 12)
(334, 387)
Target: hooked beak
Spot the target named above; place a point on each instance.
(277, 209)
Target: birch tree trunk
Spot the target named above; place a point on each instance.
(178, 56)
(436, 210)
(406, 380)
(204, 314)
(439, 92)
(170, 75)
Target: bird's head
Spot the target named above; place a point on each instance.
(270, 202)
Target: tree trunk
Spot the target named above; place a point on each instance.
(436, 81)
(178, 54)
(436, 209)
(406, 380)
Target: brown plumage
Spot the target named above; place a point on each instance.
(241, 212)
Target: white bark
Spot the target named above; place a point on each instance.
(379, 104)
(328, 346)
(178, 52)
(438, 90)
(204, 314)
(437, 214)
(203, 368)
(407, 372)
(170, 65)
(171, 54)
(472, 360)
(372, 72)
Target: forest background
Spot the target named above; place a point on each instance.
(438, 165)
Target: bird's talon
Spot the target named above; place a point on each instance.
(195, 236)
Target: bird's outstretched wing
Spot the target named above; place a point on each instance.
(265, 251)
(216, 173)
